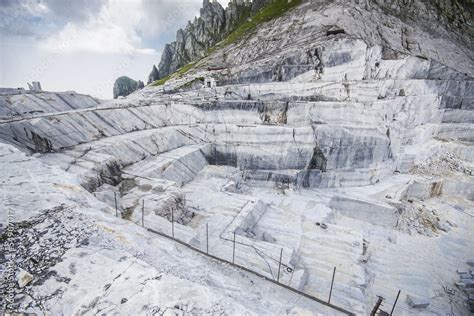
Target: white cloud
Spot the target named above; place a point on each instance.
(163, 15)
(35, 8)
(85, 72)
(95, 36)
(84, 45)
(113, 30)
(120, 26)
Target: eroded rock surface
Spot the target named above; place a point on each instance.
(339, 132)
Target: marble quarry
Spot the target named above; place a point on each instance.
(337, 135)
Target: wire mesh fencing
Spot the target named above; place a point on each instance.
(331, 286)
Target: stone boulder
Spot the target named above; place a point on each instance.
(124, 85)
(23, 278)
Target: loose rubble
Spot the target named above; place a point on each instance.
(441, 164)
(466, 284)
(319, 117)
(40, 244)
(417, 302)
(416, 218)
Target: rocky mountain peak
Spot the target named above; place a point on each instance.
(154, 75)
(213, 24)
(319, 134)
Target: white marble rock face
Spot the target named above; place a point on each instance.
(339, 132)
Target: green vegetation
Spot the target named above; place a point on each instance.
(185, 68)
(181, 71)
(161, 81)
(267, 13)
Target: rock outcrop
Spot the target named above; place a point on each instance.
(454, 14)
(154, 75)
(124, 85)
(215, 23)
(340, 131)
(195, 40)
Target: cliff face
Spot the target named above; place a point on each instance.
(154, 75)
(430, 14)
(215, 23)
(355, 114)
(204, 32)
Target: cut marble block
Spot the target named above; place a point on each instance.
(367, 211)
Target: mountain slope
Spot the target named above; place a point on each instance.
(448, 20)
(338, 134)
(213, 25)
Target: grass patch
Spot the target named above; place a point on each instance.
(181, 71)
(267, 13)
(185, 68)
(161, 81)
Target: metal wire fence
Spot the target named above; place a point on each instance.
(272, 263)
(275, 264)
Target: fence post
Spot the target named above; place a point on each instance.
(377, 306)
(172, 222)
(332, 283)
(143, 213)
(395, 303)
(233, 250)
(279, 265)
(115, 199)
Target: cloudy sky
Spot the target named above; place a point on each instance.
(84, 45)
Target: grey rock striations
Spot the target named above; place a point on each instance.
(300, 71)
(455, 14)
(341, 132)
(194, 42)
(279, 52)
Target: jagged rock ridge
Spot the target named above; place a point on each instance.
(215, 23)
(154, 75)
(204, 32)
(313, 141)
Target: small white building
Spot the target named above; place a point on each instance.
(210, 82)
